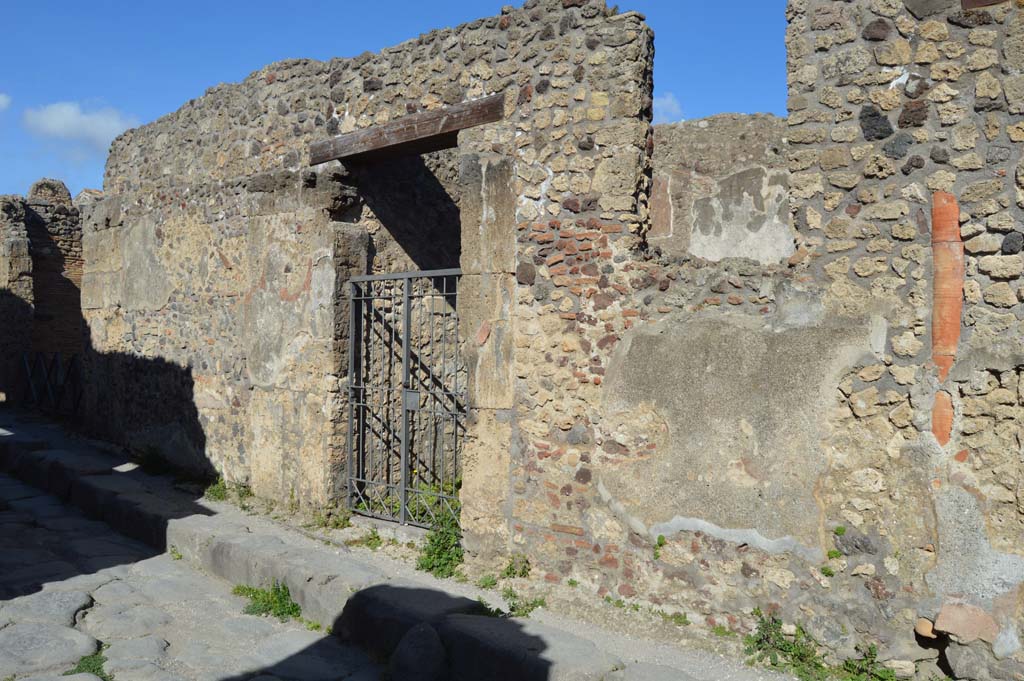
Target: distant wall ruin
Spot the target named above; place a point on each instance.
(40, 276)
(721, 189)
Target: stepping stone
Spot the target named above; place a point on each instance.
(502, 649)
(305, 656)
(50, 607)
(33, 647)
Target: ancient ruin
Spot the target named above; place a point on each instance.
(790, 348)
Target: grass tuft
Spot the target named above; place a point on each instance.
(798, 654)
(274, 602)
(91, 664)
(217, 491)
(371, 540)
(518, 566)
(517, 607)
(442, 553)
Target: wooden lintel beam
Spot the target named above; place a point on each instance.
(426, 129)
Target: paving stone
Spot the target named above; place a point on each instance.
(118, 593)
(175, 589)
(86, 583)
(141, 671)
(11, 490)
(31, 577)
(51, 607)
(32, 647)
(146, 649)
(248, 627)
(650, 672)
(113, 622)
(306, 656)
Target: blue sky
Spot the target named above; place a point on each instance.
(75, 73)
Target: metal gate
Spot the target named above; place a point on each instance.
(53, 382)
(407, 397)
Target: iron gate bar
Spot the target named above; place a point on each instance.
(426, 397)
(52, 383)
(426, 274)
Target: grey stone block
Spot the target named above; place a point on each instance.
(50, 607)
(420, 656)
(32, 647)
(501, 649)
(377, 618)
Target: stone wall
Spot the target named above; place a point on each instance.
(689, 385)
(788, 420)
(55, 238)
(904, 122)
(220, 253)
(15, 295)
(40, 273)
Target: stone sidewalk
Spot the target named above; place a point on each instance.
(386, 609)
(69, 583)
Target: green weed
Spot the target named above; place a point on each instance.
(217, 491)
(827, 571)
(442, 554)
(90, 664)
(658, 546)
(518, 566)
(677, 618)
(722, 631)
(834, 554)
(573, 583)
(175, 553)
(839, 531)
(518, 607)
(799, 655)
(487, 582)
(275, 601)
(333, 518)
(371, 540)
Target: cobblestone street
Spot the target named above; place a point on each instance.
(70, 587)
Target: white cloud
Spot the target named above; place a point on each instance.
(667, 108)
(5, 101)
(67, 121)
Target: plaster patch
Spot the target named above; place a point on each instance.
(751, 537)
(968, 565)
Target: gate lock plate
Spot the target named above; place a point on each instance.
(411, 400)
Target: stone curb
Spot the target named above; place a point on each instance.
(332, 586)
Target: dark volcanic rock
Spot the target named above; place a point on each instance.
(874, 124)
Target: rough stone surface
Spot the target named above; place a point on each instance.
(627, 377)
(720, 188)
(30, 647)
(159, 618)
(420, 656)
(56, 607)
(494, 648)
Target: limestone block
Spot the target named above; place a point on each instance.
(488, 215)
(486, 322)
